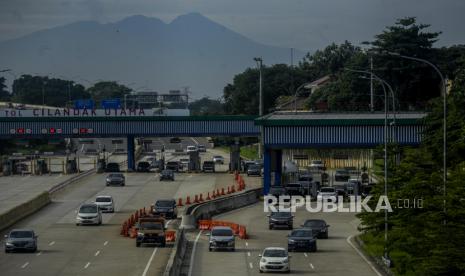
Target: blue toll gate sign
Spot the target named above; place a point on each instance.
(111, 104)
(84, 104)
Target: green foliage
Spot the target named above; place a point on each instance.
(242, 96)
(108, 90)
(49, 91)
(206, 106)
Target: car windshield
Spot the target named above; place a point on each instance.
(281, 214)
(144, 164)
(103, 199)
(314, 223)
(317, 162)
(342, 172)
(217, 156)
(21, 234)
(164, 203)
(172, 163)
(293, 185)
(301, 233)
(88, 209)
(184, 160)
(327, 190)
(166, 172)
(273, 253)
(115, 175)
(222, 232)
(151, 225)
(254, 167)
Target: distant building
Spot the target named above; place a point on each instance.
(290, 103)
(175, 103)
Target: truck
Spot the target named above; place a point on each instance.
(151, 230)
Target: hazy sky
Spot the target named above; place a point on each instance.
(302, 24)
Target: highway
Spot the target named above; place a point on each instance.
(67, 249)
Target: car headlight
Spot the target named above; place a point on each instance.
(285, 261)
(263, 260)
(140, 234)
(108, 180)
(231, 243)
(291, 241)
(212, 241)
(9, 244)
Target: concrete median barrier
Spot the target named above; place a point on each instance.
(21, 211)
(211, 208)
(174, 265)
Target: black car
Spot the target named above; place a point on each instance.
(175, 140)
(208, 166)
(167, 175)
(341, 175)
(173, 166)
(277, 191)
(115, 179)
(254, 169)
(301, 239)
(294, 189)
(202, 148)
(166, 208)
(21, 239)
(280, 219)
(306, 177)
(143, 166)
(318, 226)
(247, 164)
(112, 167)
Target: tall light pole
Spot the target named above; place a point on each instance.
(259, 62)
(444, 133)
(385, 150)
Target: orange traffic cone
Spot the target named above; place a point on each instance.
(188, 200)
(222, 192)
(196, 200)
(180, 202)
(233, 190)
(208, 196)
(201, 198)
(218, 192)
(229, 190)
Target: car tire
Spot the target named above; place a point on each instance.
(34, 249)
(233, 249)
(209, 249)
(261, 271)
(137, 244)
(7, 251)
(270, 227)
(77, 224)
(291, 227)
(163, 244)
(314, 248)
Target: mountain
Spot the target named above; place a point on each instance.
(140, 51)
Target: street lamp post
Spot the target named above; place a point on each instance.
(444, 142)
(259, 62)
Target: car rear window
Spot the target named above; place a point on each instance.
(327, 190)
(273, 253)
(151, 225)
(103, 199)
(88, 209)
(164, 203)
(301, 233)
(281, 214)
(314, 223)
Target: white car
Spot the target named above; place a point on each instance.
(317, 164)
(89, 214)
(274, 259)
(105, 203)
(218, 159)
(191, 149)
(327, 192)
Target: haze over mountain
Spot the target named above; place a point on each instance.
(143, 53)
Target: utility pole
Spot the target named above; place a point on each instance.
(372, 105)
(259, 62)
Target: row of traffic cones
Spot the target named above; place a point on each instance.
(131, 221)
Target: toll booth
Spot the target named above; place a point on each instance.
(40, 166)
(101, 165)
(194, 161)
(71, 166)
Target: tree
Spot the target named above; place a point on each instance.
(49, 91)
(416, 83)
(4, 95)
(108, 90)
(242, 96)
(206, 106)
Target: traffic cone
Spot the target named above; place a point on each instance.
(233, 190)
(222, 192)
(208, 196)
(201, 198)
(229, 190)
(136, 217)
(196, 200)
(188, 200)
(218, 192)
(180, 202)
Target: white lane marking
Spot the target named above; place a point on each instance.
(39, 253)
(149, 262)
(305, 254)
(105, 243)
(24, 265)
(58, 176)
(246, 244)
(248, 254)
(251, 265)
(96, 253)
(311, 265)
(363, 256)
(52, 243)
(191, 264)
(87, 265)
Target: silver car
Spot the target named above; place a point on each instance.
(89, 214)
(106, 203)
(21, 239)
(221, 237)
(218, 159)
